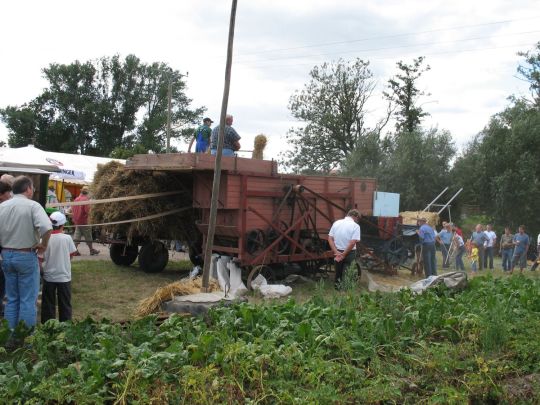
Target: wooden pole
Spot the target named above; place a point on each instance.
(219, 151)
(169, 97)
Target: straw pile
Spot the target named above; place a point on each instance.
(410, 217)
(111, 180)
(258, 147)
(153, 303)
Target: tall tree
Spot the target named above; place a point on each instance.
(333, 108)
(98, 106)
(530, 71)
(418, 166)
(404, 93)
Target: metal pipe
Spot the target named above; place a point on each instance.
(436, 198)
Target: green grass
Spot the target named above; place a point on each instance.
(101, 289)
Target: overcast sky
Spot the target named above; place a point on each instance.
(471, 47)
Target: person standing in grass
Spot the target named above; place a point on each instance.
(489, 246)
(460, 250)
(506, 249)
(445, 240)
(521, 242)
(427, 238)
(80, 219)
(479, 237)
(342, 238)
(57, 272)
(474, 257)
(25, 230)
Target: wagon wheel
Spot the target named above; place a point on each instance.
(272, 235)
(395, 252)
(123, 255)
(153, 257)
(266, 271)
(255, 241)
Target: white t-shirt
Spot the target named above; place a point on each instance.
(459, 240)
(343, 231)
(57, 262)
(491, 238)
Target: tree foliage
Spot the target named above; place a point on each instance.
(333, 108)
(530, 71)
(500, 169)
(95, 107)
(404, 93)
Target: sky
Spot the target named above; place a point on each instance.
(471, 47)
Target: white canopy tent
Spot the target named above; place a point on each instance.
(63, 165)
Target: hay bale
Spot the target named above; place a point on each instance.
(153, 303)
(411, 217)
(112, 181)
(258, 147)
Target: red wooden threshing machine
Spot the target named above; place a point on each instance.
(266, 219)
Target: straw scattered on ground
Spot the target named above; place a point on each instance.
(153, 303)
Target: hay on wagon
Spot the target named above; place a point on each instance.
(112, 180)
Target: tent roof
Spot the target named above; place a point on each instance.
(30, 156)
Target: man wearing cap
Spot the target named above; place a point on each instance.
(342, 238)
(427, 239)
(80, 219)
(231, 139)
(25, 230)
(202, 136)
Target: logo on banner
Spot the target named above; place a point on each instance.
(54, 162)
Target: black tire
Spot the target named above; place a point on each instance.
(153, 257)
(123, 255)
(195, 255)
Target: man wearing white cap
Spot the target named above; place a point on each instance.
(57, 272)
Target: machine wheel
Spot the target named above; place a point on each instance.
(255, 241)
(123, 255)
(272, 235)
(195, 255)
(153, 257)
(266, 271)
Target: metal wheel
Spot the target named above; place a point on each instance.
(255, 241)
(266, 271)
(271, 235)
(123, 255)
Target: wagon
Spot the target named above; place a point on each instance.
(265, 219)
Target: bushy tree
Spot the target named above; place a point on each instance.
(333, 109)
(530, 71)
(418, 166)
(98, 106)
(403, 93)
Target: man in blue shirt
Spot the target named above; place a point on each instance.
(427, 239)
(445, 240)
(521, 243)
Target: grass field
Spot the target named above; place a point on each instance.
(103, 290)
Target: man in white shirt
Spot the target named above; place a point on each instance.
(489, 246)
(535, 263)
(25, 229)
(342, 238)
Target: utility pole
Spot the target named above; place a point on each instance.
(219, 151)
(169, 97)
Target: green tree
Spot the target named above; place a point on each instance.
(417, 166)
(500, 169)
(333, 108)
(403, 93)
(98, 106)
(530, 71)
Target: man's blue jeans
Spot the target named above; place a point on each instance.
(507, 259)
(488, 257)
(21, 271)
(225, 152)
(428, 255)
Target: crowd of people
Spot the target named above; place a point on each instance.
(480, 248)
